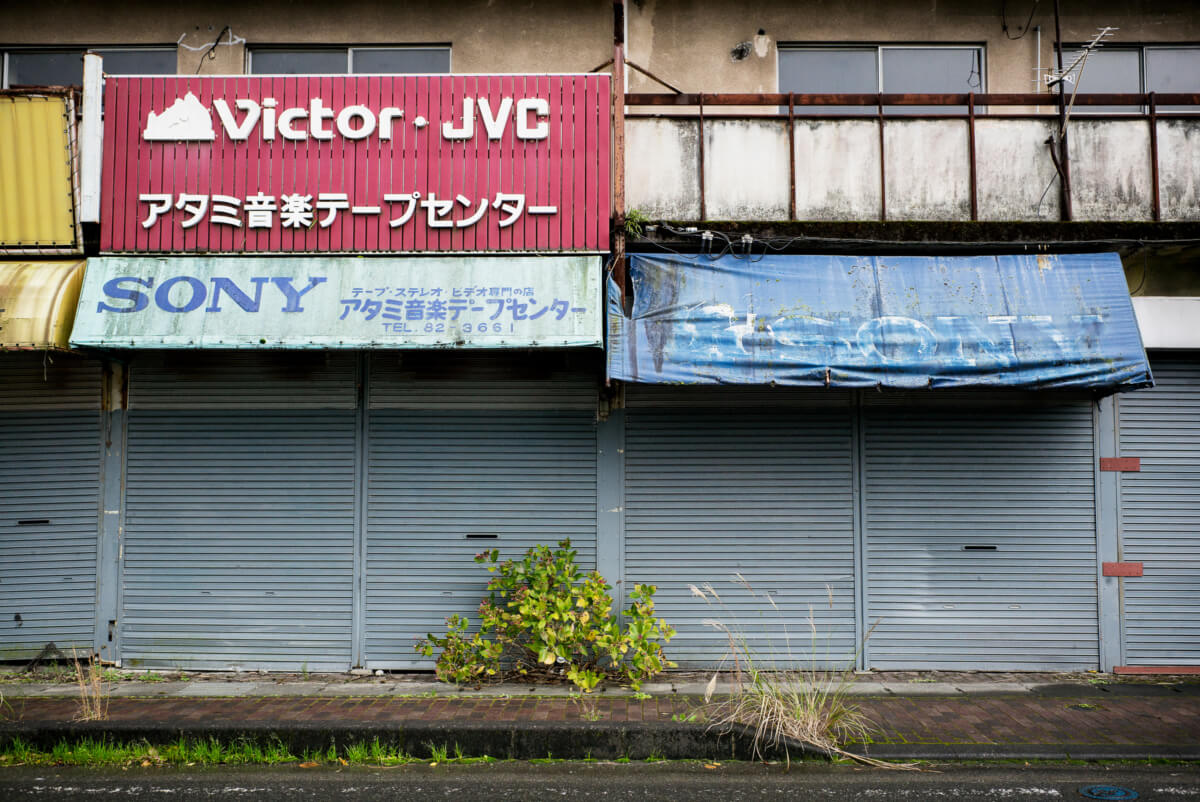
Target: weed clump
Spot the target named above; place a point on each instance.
(543, 619)
(782, 704)
(93, 696)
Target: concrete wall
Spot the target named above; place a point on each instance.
(926, 172)
(484, 36)
(688, 43)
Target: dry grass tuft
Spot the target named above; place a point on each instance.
(93, 697)
(782, 705)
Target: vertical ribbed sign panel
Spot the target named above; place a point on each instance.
(239, 518)
(37, 193)
(713, 492)
(462, 458)
(980, 537)
(50, 452)
(1160, 515)
(356, 164)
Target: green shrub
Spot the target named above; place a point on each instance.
(543, 619)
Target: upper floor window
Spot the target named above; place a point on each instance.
(1114, 69)
(868, 69)
(64, 66)
(349, 60)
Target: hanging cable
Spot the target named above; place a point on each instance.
(211, 53)
(1024, 28)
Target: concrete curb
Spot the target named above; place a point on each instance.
(518, 740)
(956, 752)
(266, 687)
(531, 740)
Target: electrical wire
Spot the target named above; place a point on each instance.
(975, 76)
(782, 244)
(1004, 20)
(211, 53)
(1145, 272)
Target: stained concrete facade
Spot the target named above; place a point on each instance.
(687, 43)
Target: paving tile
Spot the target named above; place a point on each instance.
(867, 688)
(921, 688)
(289, 688)
(914, 713)
(219, 689)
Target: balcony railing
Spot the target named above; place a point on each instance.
(958, 157)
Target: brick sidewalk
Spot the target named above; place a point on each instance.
(1154, 720)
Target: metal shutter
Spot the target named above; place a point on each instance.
(1160, 515)
(945, 479)
(467, 453)
(50, 455)
(240, 511)
(766, 492)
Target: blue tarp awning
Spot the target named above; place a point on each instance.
(888, 321)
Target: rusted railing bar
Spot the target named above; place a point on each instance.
(1153, 117)
(882, 165)
(874, 115)
(703, 201)
(791, 157)
(999, 99)
(971, 155)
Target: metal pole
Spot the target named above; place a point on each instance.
(1064, 163)
(618, 96)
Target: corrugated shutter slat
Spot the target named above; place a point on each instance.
(240, 513)
(50, 455)
(462, 448)
(942, 478)
(1160, 515)
(710, 492)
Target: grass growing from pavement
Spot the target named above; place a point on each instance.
(776, 700)
(213, 752)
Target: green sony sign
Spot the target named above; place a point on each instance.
(340, 302)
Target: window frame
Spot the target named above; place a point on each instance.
(1143, 76)
(348, 50)
(879, 47)
(7, 50)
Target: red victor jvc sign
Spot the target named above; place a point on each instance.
(354, 164)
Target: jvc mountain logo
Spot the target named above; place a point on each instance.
(186, 120)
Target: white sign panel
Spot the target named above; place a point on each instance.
(340, 302)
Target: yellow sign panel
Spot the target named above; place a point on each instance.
(37, 303)
(37, 197)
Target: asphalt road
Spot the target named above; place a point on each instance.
(521, 781)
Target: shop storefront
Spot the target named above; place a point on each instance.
(346, 332)
(318, 444)
(897, 456)
(322, 503)
(51, 426)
